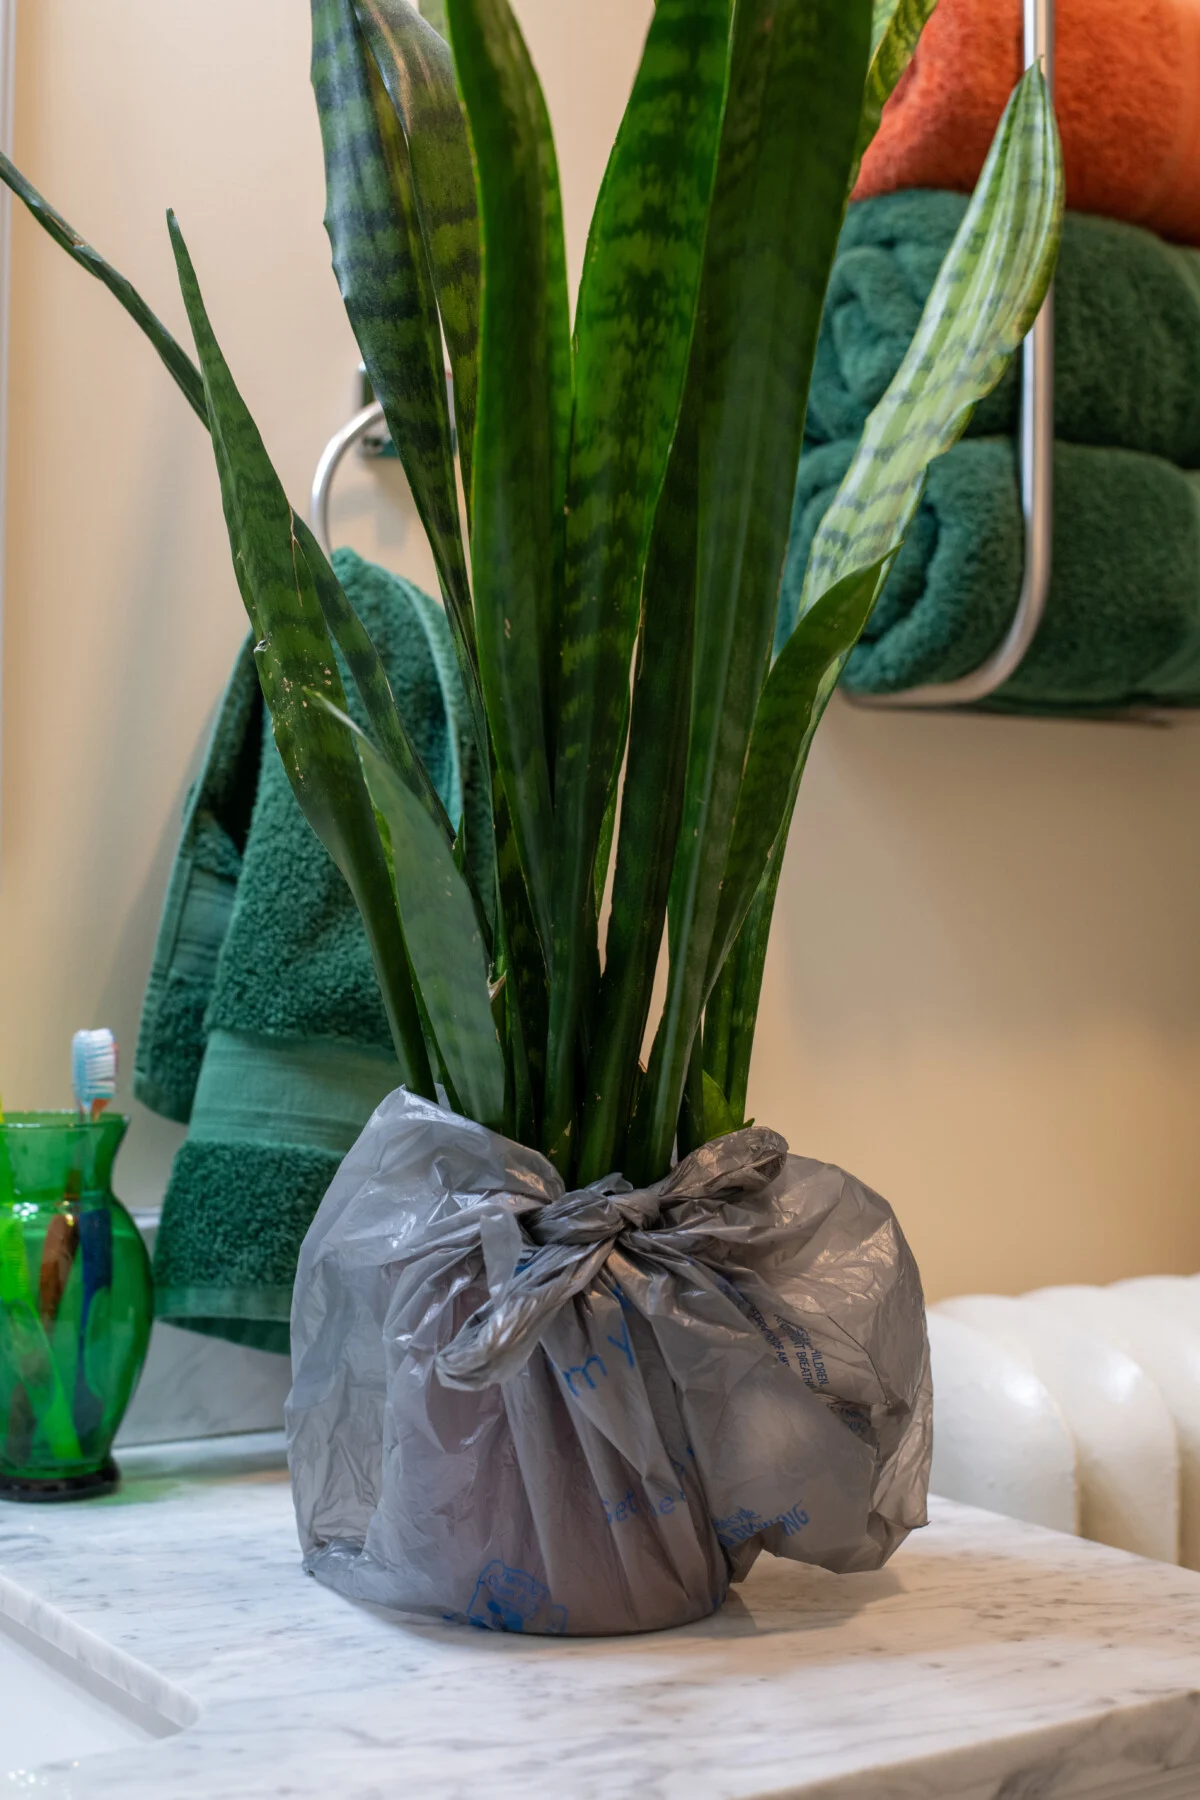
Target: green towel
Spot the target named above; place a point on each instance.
(1127, 328)
(262, 1023)
(1122, 623)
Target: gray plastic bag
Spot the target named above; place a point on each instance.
(587, 1413)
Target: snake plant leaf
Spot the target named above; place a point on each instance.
(370, 678)
(633, 333)
(896, 29)
(739, 987)
(380, 262)
(522, 416)
(651, 807)
(434, 13)
(179, 364)
(718, 1114)
(988, 293)
(790, 708)
(294, 655)
(526, 989)
(791, 121)
(441, 931)
(418, 73)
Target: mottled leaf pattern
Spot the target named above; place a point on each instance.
(794, 97)
(987, 295)
(896, 29)
(522, 416)
(633, 326)
(418, 73)
(380, 262)
(651, 808)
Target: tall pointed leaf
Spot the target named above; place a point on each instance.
(441, 931)
(896, 29)
(790, 708)
(294, 655)
(633, 332)
(992, 282)
(522, 415)
(790, 125)
(744, 975)
(370, 678)
(418, 72)
(380, 262)
(651, 807)
(179, 364)
(987, 295)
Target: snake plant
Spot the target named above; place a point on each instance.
(611, 573)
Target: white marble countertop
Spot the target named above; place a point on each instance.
(989, 1661)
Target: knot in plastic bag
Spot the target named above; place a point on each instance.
(572, 1239)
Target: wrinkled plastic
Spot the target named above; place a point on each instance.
(587, 1413)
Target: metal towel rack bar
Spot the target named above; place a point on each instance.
(1037, 475)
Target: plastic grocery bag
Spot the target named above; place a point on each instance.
(587, 1413)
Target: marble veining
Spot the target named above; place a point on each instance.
(990, 1661)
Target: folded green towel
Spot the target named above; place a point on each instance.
(1127, 328)
(1122, 623)
(262, 1022)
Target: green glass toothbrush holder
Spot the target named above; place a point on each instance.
(76, 1305)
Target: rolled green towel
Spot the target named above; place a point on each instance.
(1127, 328)
(262, 1022)
(1122, 623)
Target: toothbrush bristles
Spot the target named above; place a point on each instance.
(93, 1071)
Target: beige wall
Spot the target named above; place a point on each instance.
(984, 990)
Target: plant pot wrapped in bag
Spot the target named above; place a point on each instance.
(587, 1413)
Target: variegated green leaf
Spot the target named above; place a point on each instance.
(790, 708)
(522, 416)
(895, 32)
(988, 293)
(370, 678)
(633, 332)
(179, 364)
(986, 297)
(651, 808)
(441, 932)
(418, 72)
(383, 273)
(740, 987)
(791, 120)
(293, 656)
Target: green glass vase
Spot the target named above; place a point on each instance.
(76, 1305)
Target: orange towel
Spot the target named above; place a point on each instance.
(1127, 92)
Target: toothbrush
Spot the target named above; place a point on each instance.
(93, 1071)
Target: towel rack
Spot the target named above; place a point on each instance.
(1037, 475)
(1036, 461)
(1036, 456)
(368, 428)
